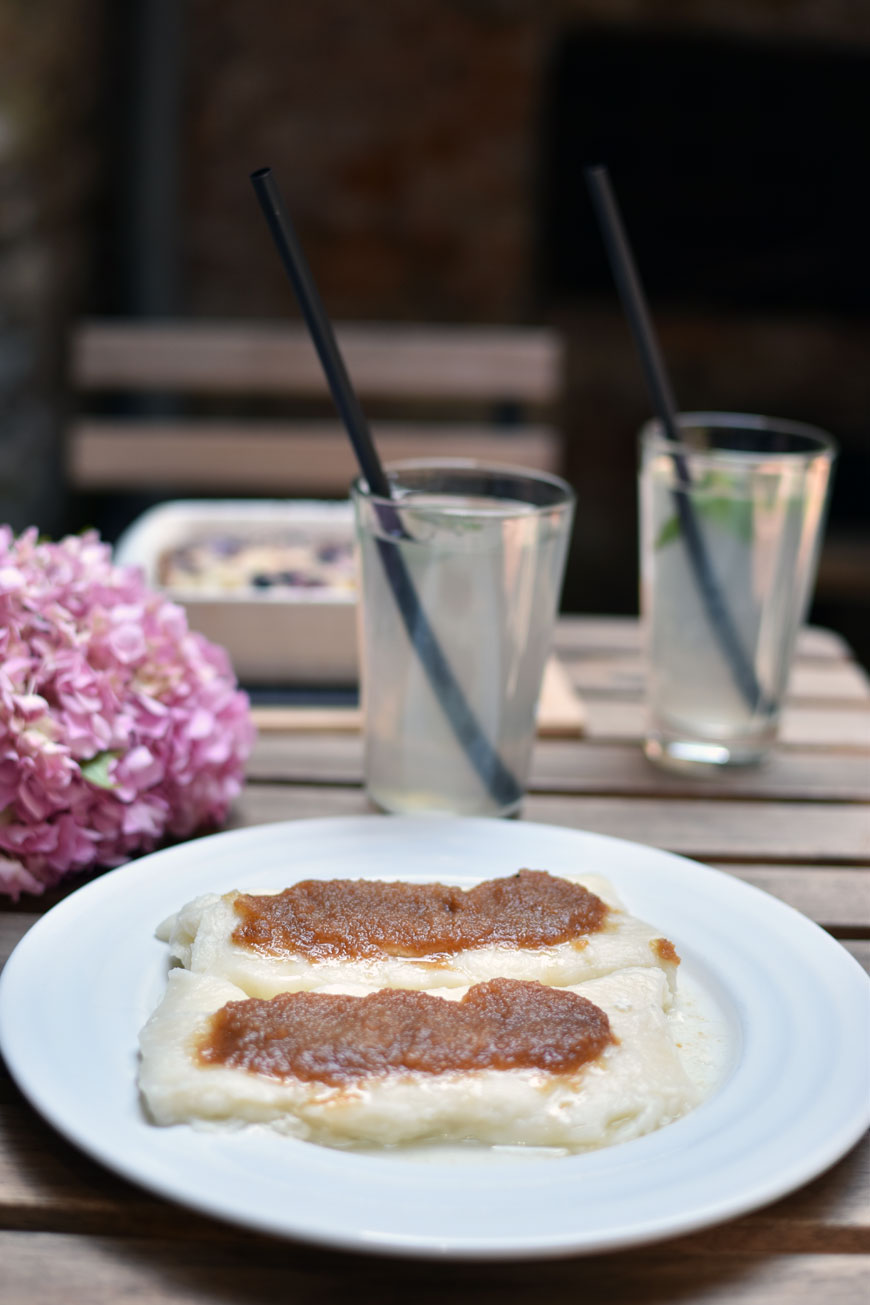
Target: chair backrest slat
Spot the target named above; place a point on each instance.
(507, 373)
(409, 362)
(289, 459)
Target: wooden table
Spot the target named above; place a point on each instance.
(798, 828)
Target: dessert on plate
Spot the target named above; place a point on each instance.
(381, 933)
(578, 1067)
(530, 1010)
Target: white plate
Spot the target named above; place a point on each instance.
(82, 982)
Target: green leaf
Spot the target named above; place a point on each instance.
(669, 532)
(731, 514)
(96, 769)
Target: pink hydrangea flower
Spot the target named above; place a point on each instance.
(118, 724)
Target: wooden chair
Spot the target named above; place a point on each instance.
(502, 381)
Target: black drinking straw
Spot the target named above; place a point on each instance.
(501, 784)
(634, 304)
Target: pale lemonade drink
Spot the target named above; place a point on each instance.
(488, 573)
(758, 502)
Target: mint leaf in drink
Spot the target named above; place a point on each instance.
(669, 532)
(733, 515)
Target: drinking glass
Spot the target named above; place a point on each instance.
(731, 521)
(461, 571)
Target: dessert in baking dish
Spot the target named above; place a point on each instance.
(228, 561)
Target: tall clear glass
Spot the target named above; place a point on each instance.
(461, 572)
(730, 526)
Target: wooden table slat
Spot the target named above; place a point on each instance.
(840, 728)
(833, 832)
(585, 766)
(615, 634)
(623, 676)
(114, 1271)
(837, 899)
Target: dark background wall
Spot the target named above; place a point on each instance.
(50, 164)
(430, 153)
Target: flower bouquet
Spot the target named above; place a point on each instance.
(118, 725)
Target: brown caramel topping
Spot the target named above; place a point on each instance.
(333, 1039)
(358, 918)
(666, 950)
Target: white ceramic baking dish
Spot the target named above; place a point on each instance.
(279, 636)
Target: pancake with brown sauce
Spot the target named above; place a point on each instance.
(558, 930)
(633, 1084)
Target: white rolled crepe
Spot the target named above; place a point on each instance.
(200, 937)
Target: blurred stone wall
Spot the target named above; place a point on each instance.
(406, 137)
(49, 61)
(407, 140)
